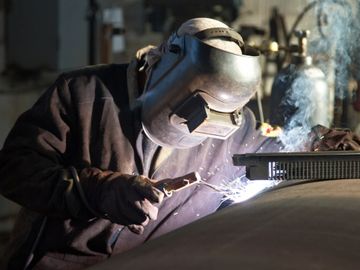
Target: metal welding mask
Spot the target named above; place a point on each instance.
(197, 91)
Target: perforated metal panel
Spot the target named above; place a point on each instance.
(300, 166)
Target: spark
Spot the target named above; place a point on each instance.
(241, 189)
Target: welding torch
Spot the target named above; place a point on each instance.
(171, 185)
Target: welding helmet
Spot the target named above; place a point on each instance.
(196, 90)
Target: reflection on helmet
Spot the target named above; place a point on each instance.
(197, 91)
(195, 114)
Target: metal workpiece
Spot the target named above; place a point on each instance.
(321, 165)
(313, 225)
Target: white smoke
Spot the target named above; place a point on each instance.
(335, 48)
(299, 126)
(336, 40)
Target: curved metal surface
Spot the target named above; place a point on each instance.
(315, 225)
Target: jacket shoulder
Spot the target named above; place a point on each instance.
(93, 82)
(102, 70)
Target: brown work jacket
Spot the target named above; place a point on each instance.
(83, 120)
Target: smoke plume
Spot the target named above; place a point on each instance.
(335, 48)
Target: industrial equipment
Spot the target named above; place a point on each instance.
(299, 95)
(321, 165)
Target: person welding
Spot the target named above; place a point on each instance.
(85, 160)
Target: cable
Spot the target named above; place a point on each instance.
(298, 20)
(260, 107)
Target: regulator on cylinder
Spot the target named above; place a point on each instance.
(299, 94)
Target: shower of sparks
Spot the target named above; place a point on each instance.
(241, 189)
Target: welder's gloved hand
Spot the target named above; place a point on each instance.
(128, 200)
(332, 139)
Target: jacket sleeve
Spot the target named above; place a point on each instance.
(34, 169)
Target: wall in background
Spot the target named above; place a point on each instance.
(47, 34)
(2, 36)
(73, 34)
(257, 12)
(32, 36)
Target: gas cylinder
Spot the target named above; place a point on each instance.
(299, 94)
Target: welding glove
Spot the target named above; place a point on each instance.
(128, 200)
(325, 139)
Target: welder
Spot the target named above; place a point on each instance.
(84, 161)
